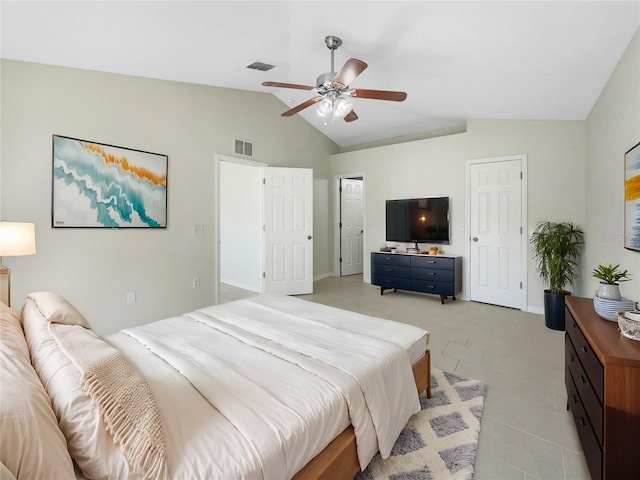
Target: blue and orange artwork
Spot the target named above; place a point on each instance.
(632, 198)
(96, 185)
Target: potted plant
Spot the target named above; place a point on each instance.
(610, 277)
(556, 248)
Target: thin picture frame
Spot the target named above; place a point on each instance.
(632, 198)
(98, 185)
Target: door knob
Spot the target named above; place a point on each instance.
(308, 237)
(475, 239)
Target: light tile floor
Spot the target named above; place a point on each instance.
(526, 432)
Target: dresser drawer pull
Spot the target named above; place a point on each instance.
(388, 258)
(431, 286)
(584, 349)
(389, 269)
(431, 261)
(582, 422)
(573, 357)
(582, 379)
(388, 281)
(575, 399)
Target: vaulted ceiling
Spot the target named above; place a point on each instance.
(456, 60)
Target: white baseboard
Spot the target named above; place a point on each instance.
(538, 310)
(323, 275)
(251, 288)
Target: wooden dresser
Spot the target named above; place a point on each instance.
(602, 376)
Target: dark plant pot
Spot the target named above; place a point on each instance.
(554, 309)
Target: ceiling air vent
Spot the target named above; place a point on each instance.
(263, 67)
(243, 148)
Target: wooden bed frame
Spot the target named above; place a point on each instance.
(339, 460)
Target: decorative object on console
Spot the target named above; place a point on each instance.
(608, 309)
(556, 247)
(16, 239)
(97, 185)
(629, 324)
(632, 198)
(434, 251)
(610, 276)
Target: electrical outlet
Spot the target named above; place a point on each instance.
(196, 282)
(131, 297)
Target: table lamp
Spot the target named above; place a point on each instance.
(16, 239)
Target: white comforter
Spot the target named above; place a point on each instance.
(284, 378)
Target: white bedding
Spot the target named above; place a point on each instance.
(284, 376)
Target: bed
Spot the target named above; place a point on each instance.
(268, 387)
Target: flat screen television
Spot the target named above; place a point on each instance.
(418, 220)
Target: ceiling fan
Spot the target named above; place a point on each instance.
(332, 88)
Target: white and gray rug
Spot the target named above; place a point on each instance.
(440, 441)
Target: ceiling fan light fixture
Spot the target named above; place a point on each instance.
(325, 106)
(342, 107)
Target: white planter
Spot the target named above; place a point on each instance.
(610, 292)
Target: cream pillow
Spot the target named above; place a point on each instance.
(31, 444)
(88, 441)
(56, 309)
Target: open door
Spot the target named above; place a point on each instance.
(288, 228)
(351, 229)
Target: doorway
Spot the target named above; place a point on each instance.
(349, 224)
(496, 272)
(264, 233)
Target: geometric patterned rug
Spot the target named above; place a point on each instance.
(440, 441)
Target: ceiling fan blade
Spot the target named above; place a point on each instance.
(351, 116)
(287, 85)
(302, 106)
(378, 94)
(348, 73)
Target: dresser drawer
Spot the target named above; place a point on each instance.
(391, 282)
(592, 366)
(590, 445)
(433, 262)
(390, 259)
(427, 286)
(391, 270)
(589, 400)
(445, 276)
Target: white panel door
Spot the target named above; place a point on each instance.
(288, 213)
(496, 233)
(351, 228)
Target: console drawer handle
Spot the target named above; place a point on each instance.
(584, 349)
(431, 273)
(582, 422)
(431, 261)
(582, 379)
(431, 286)
(389, 269)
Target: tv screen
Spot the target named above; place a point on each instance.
(418, 220)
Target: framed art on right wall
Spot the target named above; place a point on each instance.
(632, 198)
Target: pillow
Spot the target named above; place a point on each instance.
(88, 441)
(56, 309)
(31, 444)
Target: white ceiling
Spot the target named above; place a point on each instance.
(456, 60)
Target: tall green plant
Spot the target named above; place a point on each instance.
(556, 248)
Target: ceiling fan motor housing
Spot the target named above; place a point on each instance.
(325, 79)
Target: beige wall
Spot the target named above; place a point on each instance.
(190, 123)
(436, 167)
(613, 127)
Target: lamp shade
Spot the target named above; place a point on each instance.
(17, 239)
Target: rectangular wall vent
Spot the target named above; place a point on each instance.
(243, 148)
(263, 67)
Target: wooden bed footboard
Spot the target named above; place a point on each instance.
(339, 460)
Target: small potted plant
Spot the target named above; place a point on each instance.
(610, 277)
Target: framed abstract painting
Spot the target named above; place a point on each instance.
(96, 185)
(632, 198)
